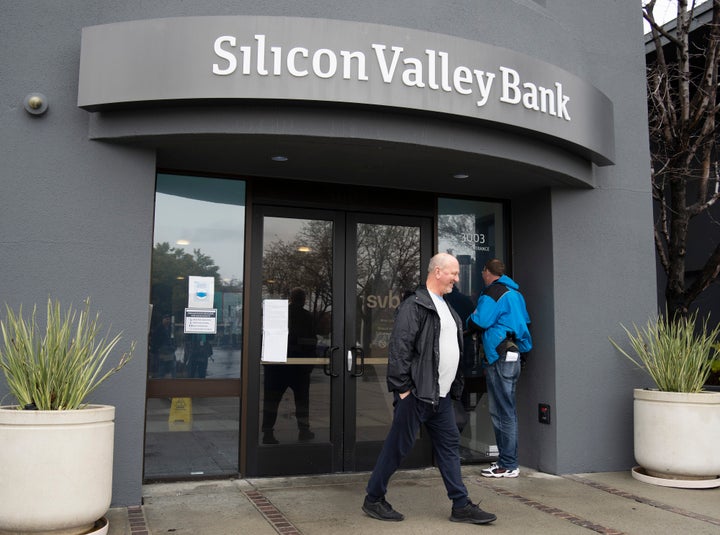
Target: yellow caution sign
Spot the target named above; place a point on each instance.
(180, 414)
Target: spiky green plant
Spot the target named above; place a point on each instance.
(676, 356)
(715, 363)
(56, 367)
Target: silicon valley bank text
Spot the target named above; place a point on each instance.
(433, 71)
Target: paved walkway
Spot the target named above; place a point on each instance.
(534, 503)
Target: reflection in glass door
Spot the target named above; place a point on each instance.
(292, 393)
(384, 263)
(297, 286)
(330, 285)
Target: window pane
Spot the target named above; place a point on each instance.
(388, 268)
(191, 437)
(473, 231)
(297, 266)
(199, 231)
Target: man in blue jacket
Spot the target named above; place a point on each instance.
(423, 373)
(502, 320)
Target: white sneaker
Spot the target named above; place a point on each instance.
(489, 469)
(496, 471)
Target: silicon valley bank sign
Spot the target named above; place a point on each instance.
(284, 58)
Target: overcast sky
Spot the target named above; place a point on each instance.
(666, 10)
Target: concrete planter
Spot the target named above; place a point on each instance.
(56, 469)
(677, 434)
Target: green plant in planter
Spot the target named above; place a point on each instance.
(677, 356)
(56, 367)
(714, 379)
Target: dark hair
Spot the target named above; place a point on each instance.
(496, 267)
(297, 296)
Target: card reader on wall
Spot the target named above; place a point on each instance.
(544, 413)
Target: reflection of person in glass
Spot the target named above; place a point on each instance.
(198, 351)
(280, 377)
(162, 347)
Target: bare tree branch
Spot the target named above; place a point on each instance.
(682, 111)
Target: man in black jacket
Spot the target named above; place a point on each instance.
(423, 374)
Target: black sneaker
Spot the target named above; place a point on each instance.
(305, 434)
(471, 514)
(382, 510)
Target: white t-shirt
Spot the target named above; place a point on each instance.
(449, 349)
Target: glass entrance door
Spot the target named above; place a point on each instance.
(325, 288)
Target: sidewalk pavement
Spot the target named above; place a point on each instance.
(534, 503)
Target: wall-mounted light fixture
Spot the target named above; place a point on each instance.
(36, 103)
(461, 175)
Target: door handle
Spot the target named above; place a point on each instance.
(328, 368)
(352, 359)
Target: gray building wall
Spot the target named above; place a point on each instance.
(77, 213)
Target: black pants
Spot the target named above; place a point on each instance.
(440, 423)
(278, 378)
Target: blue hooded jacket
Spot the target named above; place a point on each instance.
(501, 311)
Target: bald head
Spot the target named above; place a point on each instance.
(443, 273)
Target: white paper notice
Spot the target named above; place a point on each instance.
(275, 330)
(200, 321)
(201, 292)
(511, 356)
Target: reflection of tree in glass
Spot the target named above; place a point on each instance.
(453, 227)
(305, 262)
(388, 259)
(171, 267)
(388, 264)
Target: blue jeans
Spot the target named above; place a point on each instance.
(501, 378)
(440, 423)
